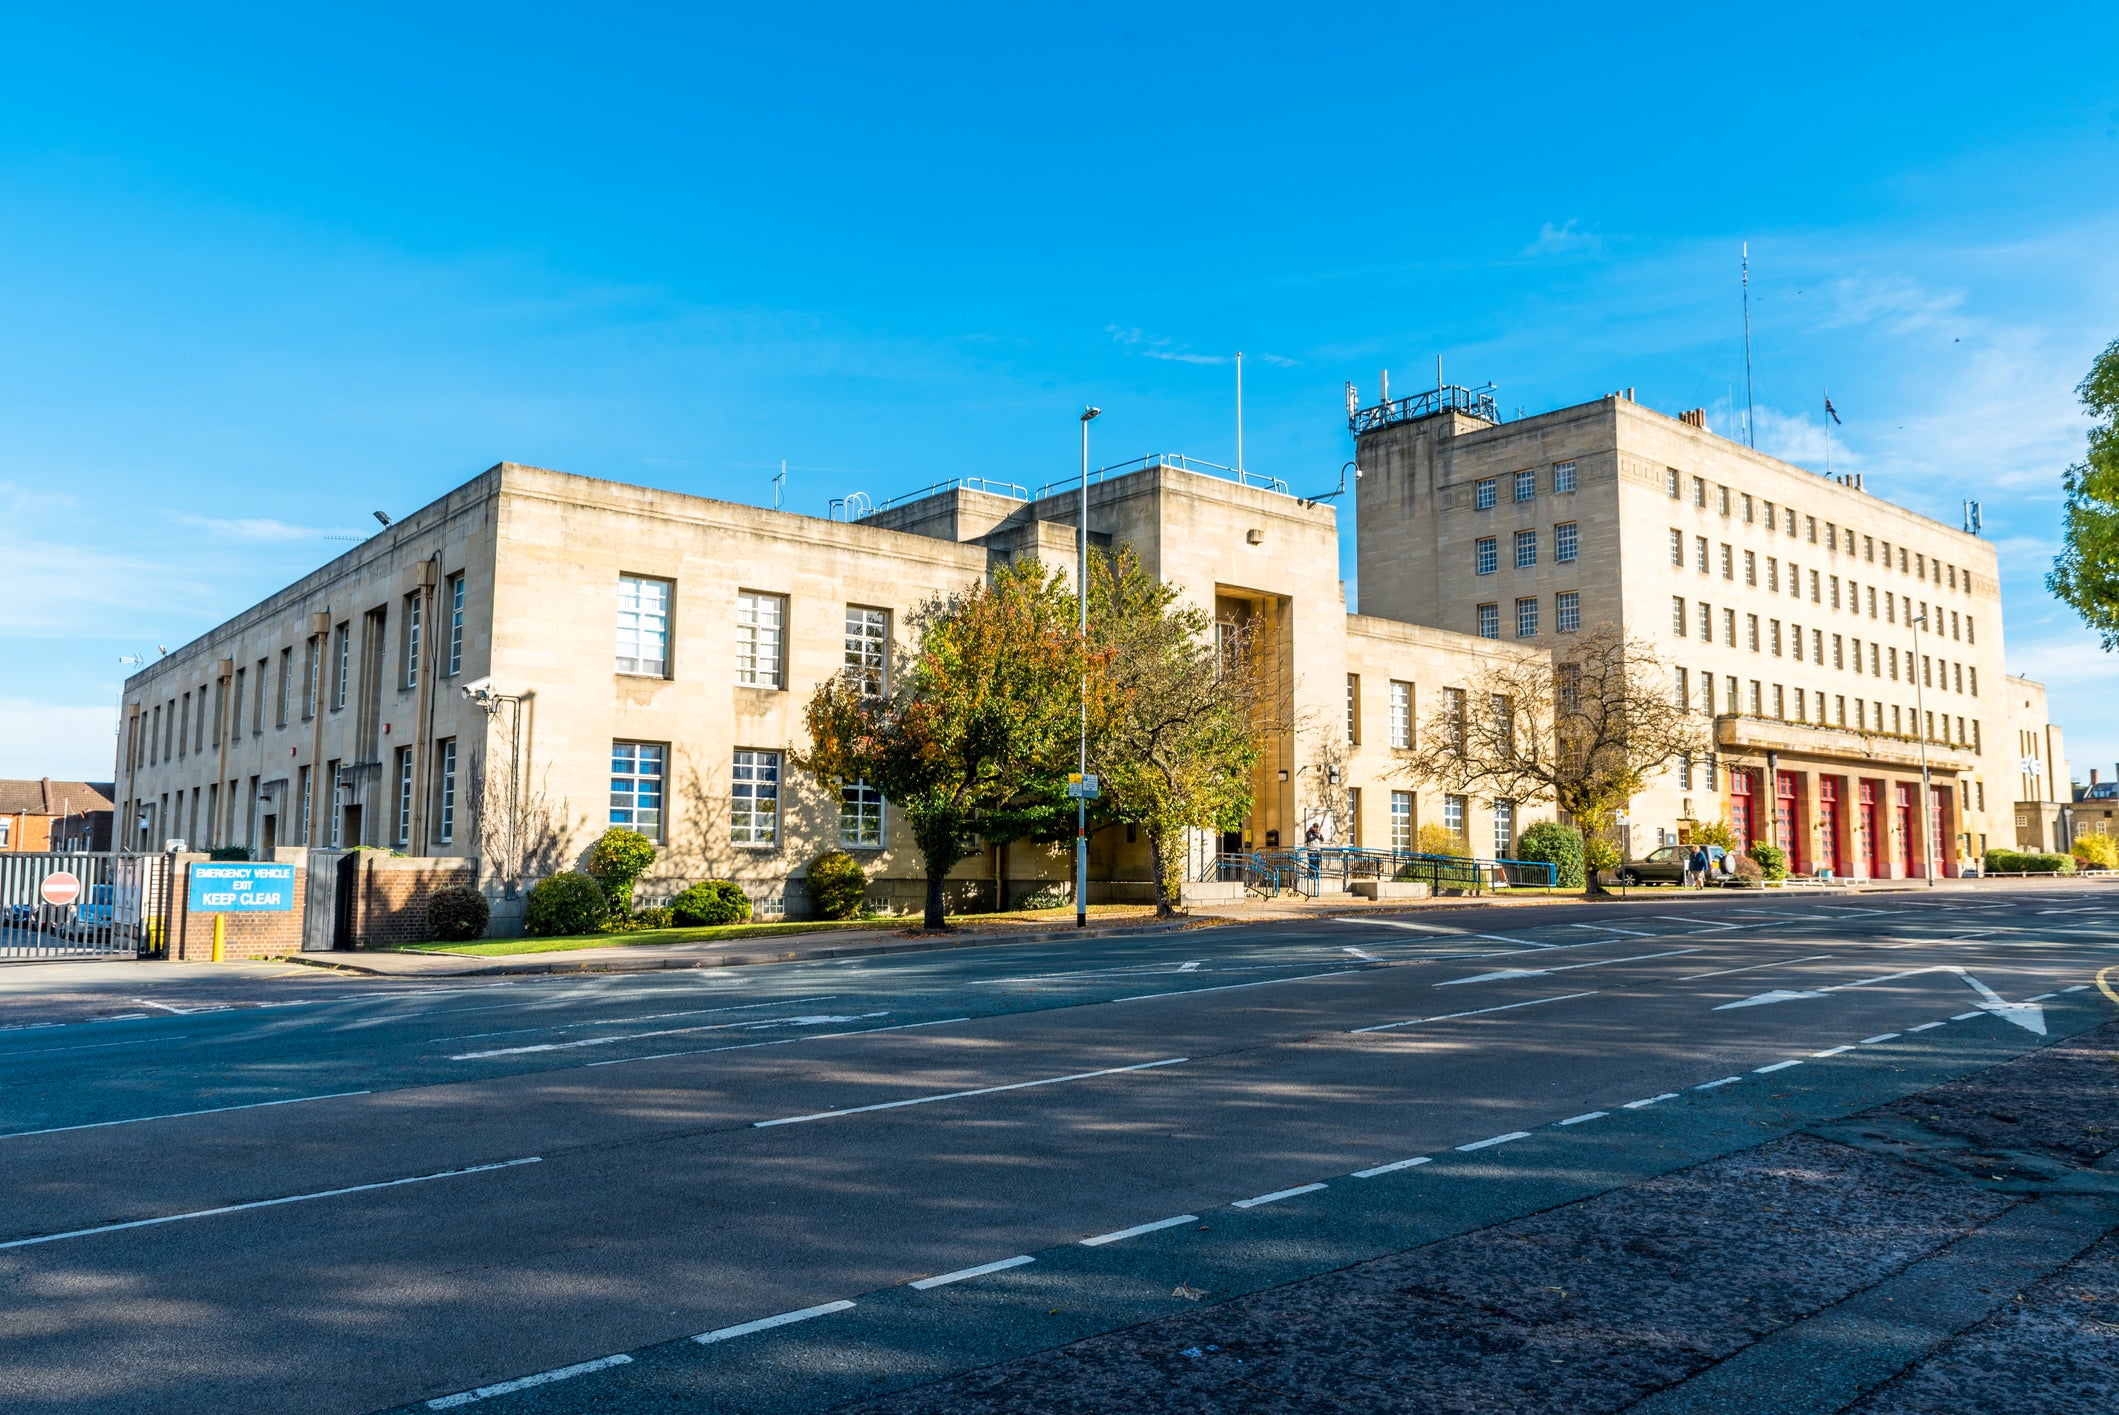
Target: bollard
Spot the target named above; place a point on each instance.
(220, 938)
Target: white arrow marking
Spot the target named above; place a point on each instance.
(1560, 968)
(1191, 967)
(2027, 1015)
(1359, 953)
(1777, 995)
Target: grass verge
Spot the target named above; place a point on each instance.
(506, 947)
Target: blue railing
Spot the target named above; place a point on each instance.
(986, 484)
(1175, 461)
(1309, 871)
(1478, 402)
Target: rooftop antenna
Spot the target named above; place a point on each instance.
(779, 483)
(1971, 518)
(1438, 380)
(1750, 428)
(1239, 412)
(1828, 432)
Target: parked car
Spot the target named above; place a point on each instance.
(96, 914)
(1663, 866)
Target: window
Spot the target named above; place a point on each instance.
(1489, 621)
(1455, 698)
(761, 626)
(1699, 556)
(1570, 689)
(1968, 630)
(867, 648)
(1526, 549)
(1816, 595)
(1707, 691)
(1699, 492)
(1487, 555)
(1728, 561)
(1563, 478)
(410, 675)
(1564, 542)
(860, 816)
(445, 805)
(1401, 714)
(1685, 771)
(456, 625)
(257, 711)
(1775, 628)
(1729, 628)
(339, 676)
(1835, 591)
(1671, 479)
(1789, 521)
(1817, 646)
(1453, 815)
(638, 773)
(286, 688)
(1353, 709)
(1953, 624)
(1747, 508)
(1504, 829)
(1868, 549)
(1839, 652)
(1684, 691)
(643, 626)
(1677, 615)
(1526, 485)
(1769, 516)
(1677, 547)
(1975, 679)
(1725, 500)
(1758, 700)
(1751, 627)
(1751, 567)
(1773, 575)
(312, 671)
(304, 779)
(754, 810)
(1831, 536)
(1567, 611)
(1483, 494)
(1526, 618)
(1729, 693)
(1401, 820)
(235, 716)
(404, 796)
(1872, 601)
(1812, 522)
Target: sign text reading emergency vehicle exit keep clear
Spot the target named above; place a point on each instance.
(242, 889)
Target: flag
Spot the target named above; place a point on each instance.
(1832, 410)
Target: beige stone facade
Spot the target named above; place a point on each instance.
(1783, 602)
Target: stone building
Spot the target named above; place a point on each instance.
(1829, 639)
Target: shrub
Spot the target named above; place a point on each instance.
(837, 885)
(2047, 864)
(1714, 832)
(1557, 845)
(618, 857)
(1437, 839)
(569, 903)
(2097, 850)
(457, 913)
(2004, 862)
(229, 852)
(711, 901)
(1747, 870)
(1772, 861)
(639, 920)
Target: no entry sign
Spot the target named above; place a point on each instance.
(60, 887)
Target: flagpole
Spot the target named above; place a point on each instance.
(1828, 433)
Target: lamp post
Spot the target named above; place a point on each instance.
(1081, 799)
(1927, 793)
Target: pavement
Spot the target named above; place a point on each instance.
(803, 1186)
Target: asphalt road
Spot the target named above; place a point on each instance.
(260, 1191)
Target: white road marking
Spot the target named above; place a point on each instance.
(1225, 987)
(1834, 1051)
(1391, 1168)
(1191, 967)
(1754, 967)
(2079, 987)
(1776, 1066)
(1652, 1100)
(822, 1309)
(959, 1095)
(1703, 923)
(813, 1020)
(1437, 928)
(1578, 1119)
(180, 1011)
(1276, 1196)
(961, 1273)
(1560, 968)
(1881, 1037)
(1475, 1012)
(267, 1203)
(1360, 953)
(1967, 1016)
(1725, 1081)
(775, 1042)
(1496, 1140)
(2027, 1015)
(2042, 997)
(1924, 1027)
(1138, 1229)
(623, 1021)
(1632, 933)
(579, 1368)
(179, 1115)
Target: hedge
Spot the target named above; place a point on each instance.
(837, 885)
(711, 901)
(1558, 845)
(457, 913)
(564, 904)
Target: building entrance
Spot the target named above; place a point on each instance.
(1868, 848)
(1908, 848)
(1740, 807)
(1828, 824)
(1785, 833)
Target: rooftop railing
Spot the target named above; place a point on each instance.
(1477, 402)
(986, 484)
(1175, 461)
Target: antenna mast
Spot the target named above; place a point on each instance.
(1828, 433)
(1239, 410)
(1750, 430)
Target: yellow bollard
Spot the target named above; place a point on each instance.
(220, 938)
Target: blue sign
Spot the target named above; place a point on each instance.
(242, 889)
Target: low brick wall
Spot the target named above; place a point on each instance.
(247, 936)
(390, 896)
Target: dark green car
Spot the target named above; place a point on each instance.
(1664, 866)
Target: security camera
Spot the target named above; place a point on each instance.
(478, 689)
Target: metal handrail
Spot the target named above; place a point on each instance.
(1174, 461)
(1304, 870)
(986, 484)
(1478, 402)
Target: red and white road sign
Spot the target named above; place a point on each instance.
(60, 887)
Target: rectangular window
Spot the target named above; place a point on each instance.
(1685, 771)
(1728, 561)
(1817, 647)
(1671, 480)
(1567, 611)
(1816, 595)
(1684, 690)
(286, 687)
(643, 642)
(639, 771)
(1526, 618)
(1975, 680)
(1872, 601)
(456, 625)
(1455, 698)
(1487, 555)
(1526, 549)
(410, 676)
(1677, 615)
(1353, 709)
(340, 675)
(1773, 575)
(235, 715)
(1401, 714)
(1699, 492)
(761, 628)
(445, 804)
(1401, 820)
(1564, 542)
(303, 779)
(1677, 547)
(1835, 591)
(860, 816)
(1839, 652)
(1758, 699)
(1526, 485)
(1563, 478)
(1453, 815)
(1775, 629)
(1707, 691)
(1968, 630)
(1729, 693)
(1747, 508)
(1699, 549)
(868, 648)
(1751, 628)
(1489, 621)
(1729, 628)
(1751, 567)
(403, 834)
(312, 671)
(1504, 829)
(754, 808)
(1725, 500)
(1812, 521)
(1483, 494)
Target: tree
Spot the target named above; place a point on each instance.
(981, 717)
(1175, 726)
(1584, 729)
(616, 860)
(2086, 572)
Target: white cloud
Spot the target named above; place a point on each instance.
(1564, 240)
(266, 529)
(45, 739)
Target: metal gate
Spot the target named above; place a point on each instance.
(84, 904)
(327, 900)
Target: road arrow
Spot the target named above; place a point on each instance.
(1777, 995)
(2027, 1015)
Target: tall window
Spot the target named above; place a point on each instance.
(1401, 820)
(1489, 621)
(868, 647)
(639, 771)
(286, 687)
(1454, 697)
(1685, 691)
(1487, 555)
(412, 632)
(340, 675)
(761, 627)
(1728, 561)
(235, 715)
(312, 666)
(754, 807)
(1563, 478)
(860, 816)
(1527, 618)
(1526, 549)
(1483, 494)
(1453, 815)
(445, 805)
(1699, 553)
(1401, 714)
(1526, 485)
(1353, 708)
(643, 626)
(1504, 829)
(1677, 547)
(456, 624)
(404, 796)
(306, 779)
(1677, 615)
(1565, 539)
(1567, 611)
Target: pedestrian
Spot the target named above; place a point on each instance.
(1699, 867)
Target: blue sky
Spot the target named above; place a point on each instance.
(263, 272)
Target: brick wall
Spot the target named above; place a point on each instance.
(248, 935)
(390, 896)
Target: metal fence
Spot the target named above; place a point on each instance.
(1310, 872)
(84, 904)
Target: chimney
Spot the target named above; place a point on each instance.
(2093, 776)
(1694, 417)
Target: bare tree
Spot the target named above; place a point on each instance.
(522, 832)
(1585, 730)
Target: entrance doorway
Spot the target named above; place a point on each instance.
(1868, 848)
(1908, 847)
(1740, 807)
(1828, 823)
(1785, 821)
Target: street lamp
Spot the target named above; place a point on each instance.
(1081, 799)
(1927, 793)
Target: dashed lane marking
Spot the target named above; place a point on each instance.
(1710, 1085)
(1493, 1140)
(1924, 1027)
(1754, 967)
(1138, 1229)
(179, 1115)
(1276, 1196)
(1879, 1038)
(1579, 1119)
(923, 1284)
(579, 1368)
(1776, 1066)
(1393, 1167)
(960, 1095)
(1652, 1100)
(822, 1309)
(1475, 1012)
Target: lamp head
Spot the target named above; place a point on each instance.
(382, 516)
(1088, 413)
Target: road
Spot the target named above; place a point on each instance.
(313, 1195)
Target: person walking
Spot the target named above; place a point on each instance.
(1698, 872)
